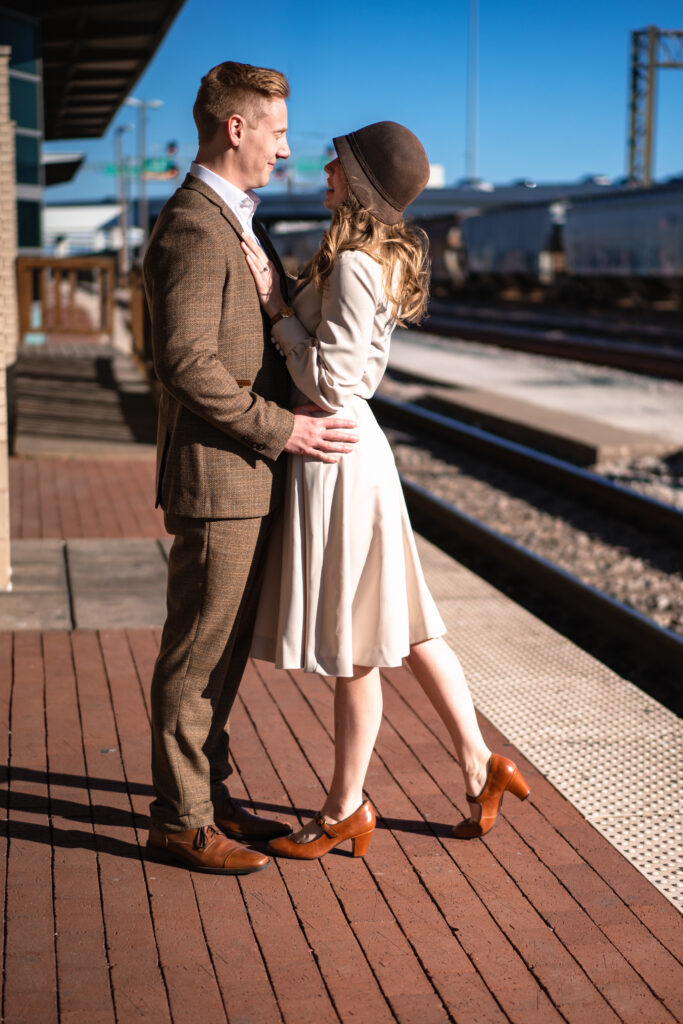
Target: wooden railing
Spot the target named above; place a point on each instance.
(140, 324)
(71, 295)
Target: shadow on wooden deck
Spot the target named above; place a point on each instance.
(544, 921)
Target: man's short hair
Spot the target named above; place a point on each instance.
(232, 88)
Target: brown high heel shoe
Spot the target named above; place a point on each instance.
(358, 827)
(503, 776)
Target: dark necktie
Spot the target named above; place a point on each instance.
(270, 252)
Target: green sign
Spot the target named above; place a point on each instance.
(158, 165)
(311, 164)
(155, 165)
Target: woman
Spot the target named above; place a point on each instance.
(344, 592)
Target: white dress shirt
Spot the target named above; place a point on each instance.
(242, 204)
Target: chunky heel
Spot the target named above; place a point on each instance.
(360, 844)
(358, 827)
(502, 775)
(518, 787)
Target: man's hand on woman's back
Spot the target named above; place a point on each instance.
(324, 438)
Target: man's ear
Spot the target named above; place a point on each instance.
(234, 127)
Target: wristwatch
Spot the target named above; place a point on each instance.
(282, 314)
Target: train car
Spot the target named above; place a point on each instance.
(632, 240)
(296, 242)
(517, 245)
(445, 251)
(628, 243)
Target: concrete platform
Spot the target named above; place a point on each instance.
(82, 402)
(117, 584)
(592, 405)
(575, 439)
(85, 584)
(40, 597)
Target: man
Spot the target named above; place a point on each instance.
(223, 423)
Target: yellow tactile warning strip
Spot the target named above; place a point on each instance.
(611, 750)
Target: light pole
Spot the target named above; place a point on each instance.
(120, 165)
(142, 107)
(472, 83)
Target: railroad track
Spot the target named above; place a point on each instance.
(629, 629)
(661, 360)
(625, 326)
(623, 501)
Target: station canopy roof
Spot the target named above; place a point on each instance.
(93, 53)
(61, 167)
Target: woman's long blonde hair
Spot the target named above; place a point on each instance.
(391, 245)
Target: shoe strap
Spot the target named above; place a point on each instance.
(471, 799)
(322, 822)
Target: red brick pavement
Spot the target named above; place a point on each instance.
(544, 921)
(79, 498)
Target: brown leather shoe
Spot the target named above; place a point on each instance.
(205, 849)
(358, 827)
(503, 777)
(238, 823)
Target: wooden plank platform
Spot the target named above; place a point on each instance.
(81, 498)
(544, 921)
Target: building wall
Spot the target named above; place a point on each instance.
(22, 34)
(8, 299)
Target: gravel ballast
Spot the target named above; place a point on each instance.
(640, 569)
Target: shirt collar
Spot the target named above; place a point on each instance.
(242, 204)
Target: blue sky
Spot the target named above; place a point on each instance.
(553, 82)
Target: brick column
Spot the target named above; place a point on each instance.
(8, 301)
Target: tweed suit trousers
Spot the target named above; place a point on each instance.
(214, 575)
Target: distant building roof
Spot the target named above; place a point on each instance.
(433, 202)
(93, 54)
(78, 218)
(72, 229)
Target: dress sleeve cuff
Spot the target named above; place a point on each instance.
(288, 333)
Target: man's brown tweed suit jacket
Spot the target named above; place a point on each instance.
(220, 429)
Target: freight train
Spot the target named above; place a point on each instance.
(624, 242)
(628, 242)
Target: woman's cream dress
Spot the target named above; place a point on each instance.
(343, 583)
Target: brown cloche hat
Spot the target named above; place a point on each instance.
(385, 166)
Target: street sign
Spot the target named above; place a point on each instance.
(310, 164)
(116, 169)
(156, 165)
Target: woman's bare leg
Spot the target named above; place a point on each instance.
(440, 675)
(357, 718)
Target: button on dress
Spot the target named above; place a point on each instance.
(343, 583)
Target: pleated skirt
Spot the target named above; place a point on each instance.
(343, 582)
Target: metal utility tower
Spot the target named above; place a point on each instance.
(651, 48)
